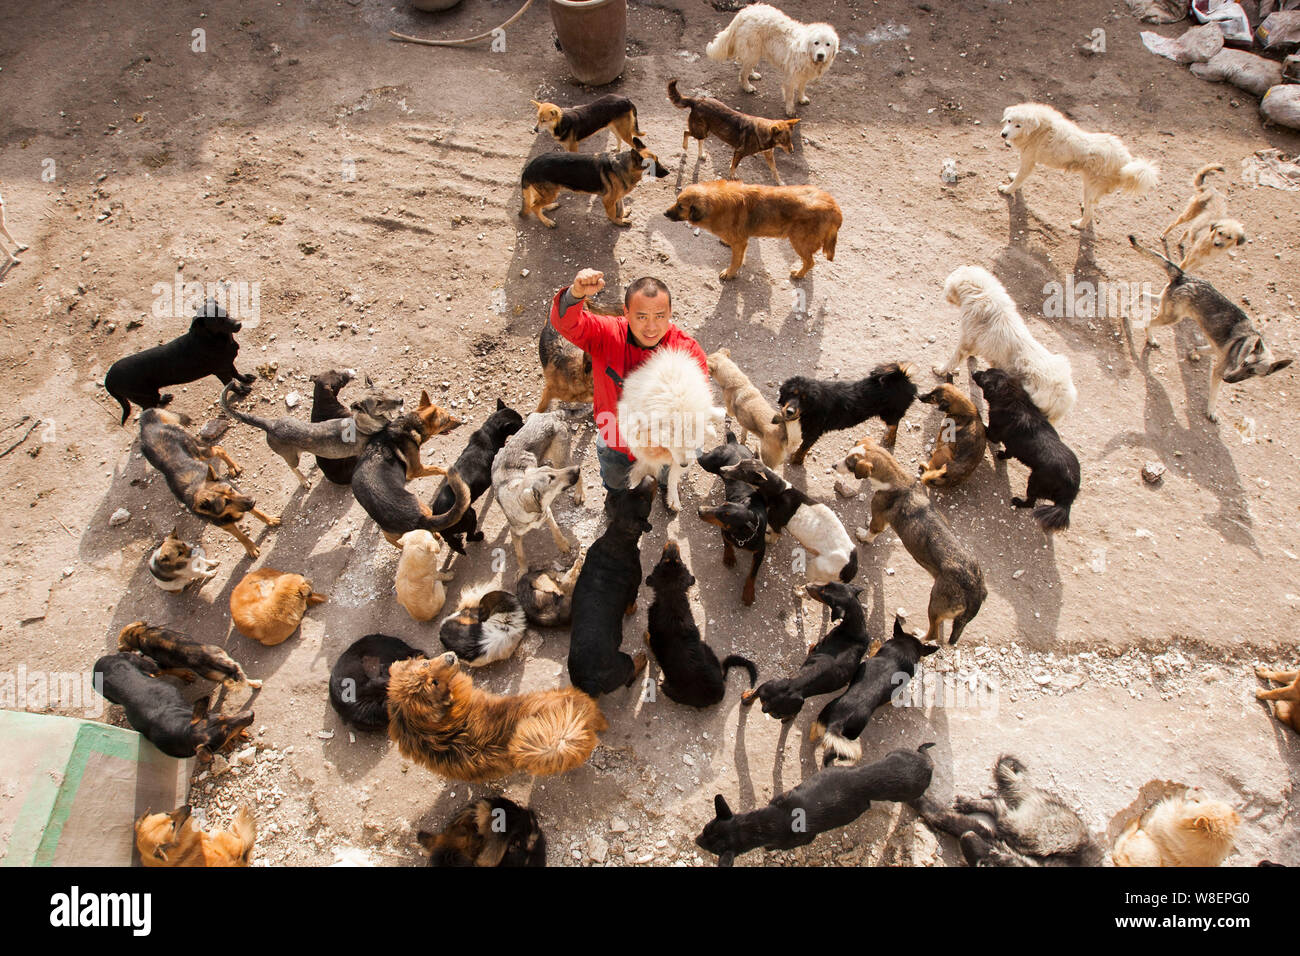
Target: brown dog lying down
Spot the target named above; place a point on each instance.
(181, 657)
(1183, 829)
(1286, 700)
(268, 605)
(746, 134)
(439, 719)
(735, 213)
(959, 446)
(173, 839)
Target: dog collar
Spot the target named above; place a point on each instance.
(746, 545)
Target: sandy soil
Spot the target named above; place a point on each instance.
(1119, 654)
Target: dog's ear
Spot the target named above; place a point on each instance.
(536, 104)
(501, 406)
(1278, 366)
(536, 495)
(425, 401)
(720, 809)
(693, 213)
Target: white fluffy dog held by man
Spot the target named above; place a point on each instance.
(1042, 135)
(801, 51)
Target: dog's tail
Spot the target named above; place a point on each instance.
(558, 737)
(1199, 179)
(1171, 267)
(838, 749)
(245, 827)
(1050, 518)
(678, 100)
(236, 414)
(735, 660)
(126, 406)
(723, 46)
(1139, 176)
(458, 507)
(636, 124)
(850, 570)
(828, 246)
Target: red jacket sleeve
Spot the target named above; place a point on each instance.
(594, 334)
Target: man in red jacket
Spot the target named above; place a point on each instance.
(616, 346)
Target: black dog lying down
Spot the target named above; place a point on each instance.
(830, 663)
(692, 674)
(830, 798)
(208, 348)
(157, 710)
(359, 680)
(842, 721)
(743, 518)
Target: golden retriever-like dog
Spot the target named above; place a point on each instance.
(801, 51)
(1042, 135)
(735, 213)
(268, 605)
(1207, 230)
(173, 839)
(1185, 829)
(439, 719)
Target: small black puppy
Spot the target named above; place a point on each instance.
(1024, 432)
(606, 591)
(325, 406)
(831, 798)
(842, 721)
(157, 710)
(491, 831)
(743, 518)
(475, 467)
(359, 680)
(822, 407)
(692, 674)
(208, 348)
(830, 663)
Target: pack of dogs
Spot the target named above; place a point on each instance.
(429, 706)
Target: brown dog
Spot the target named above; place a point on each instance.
(571, 126)
(268, 605)
(1205, 224)
(439, 719)
(959, 446)
(172, 839)
(187, 464)
(746, 134)
(777, 438)
(1286, 700)
(566, 370)
(735, 212)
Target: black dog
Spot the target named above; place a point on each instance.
(692, 674)
(820, 407)
(878, 678)
(606, 591)
(743, 518)
(831, 662)
(491, 831)
(1024, 432)
(325, 406)
(475, 468)
(359, 680)
(157, 710)
(831, 798)
(208, 348)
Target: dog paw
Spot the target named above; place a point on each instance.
(273, 522)
(755, 75)
(1005, 189)
(804, 101)
(726, 275)
(749, 89)
(234, 471)
(1211, 416)
(1020, 503)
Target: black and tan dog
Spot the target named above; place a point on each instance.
(877, 680)
(1025, 434)
(832, 798)
(959, 446)
(898, 501)
(742, 518)
(157, 710)
(566, 369)
(547, 596)
(1240, 352)
(187, 464)
(175, 565)
(208, 348)
(820, 406)
(746, 134)
(491, 831)
(692, 674)
(575, 124)
(611, 176)
(606, 592)
(475, 468)
(359, 679)
(181, 657)
(392, 458)
(830, 663)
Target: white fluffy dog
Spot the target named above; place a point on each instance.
(801, 51)
(1042, 135)
(666, 415)
(1186, 829)
(419, 582)
(993, 330)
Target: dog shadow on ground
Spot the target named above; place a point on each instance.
(1197, 448)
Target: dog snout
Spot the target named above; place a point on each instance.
(449, 658)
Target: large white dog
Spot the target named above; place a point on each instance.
(992, 329)
(1042, 135)
(666, 416)
(801, 51)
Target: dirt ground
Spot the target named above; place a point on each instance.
(1113, 658)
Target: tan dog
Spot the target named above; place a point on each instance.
(419, 582)
(959, 446)
(571, 126)
(1186, 829)
(268, 605)
(735, 213)
(745, 403)
(1286, 700)
(173, 839)
(1205, 223)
